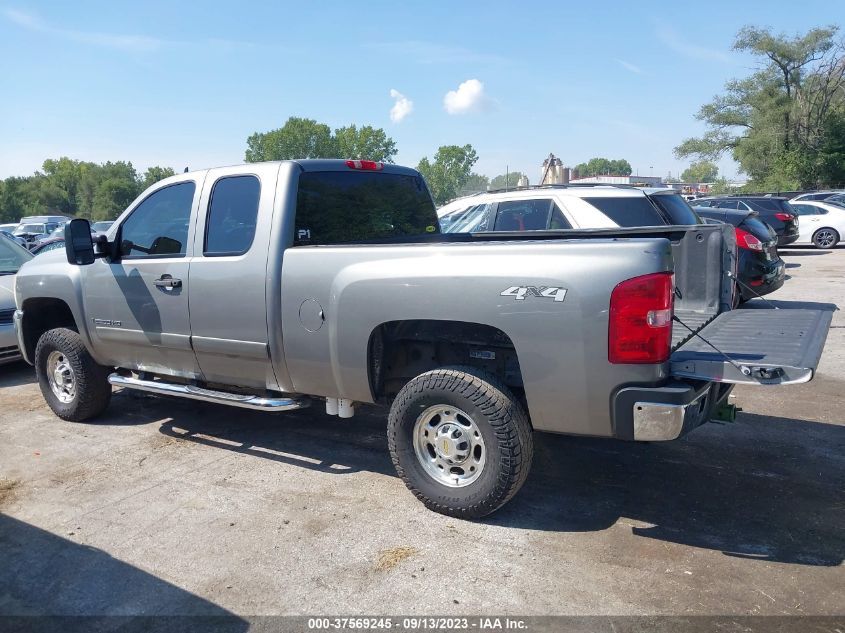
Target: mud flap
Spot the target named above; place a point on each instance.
(764, 347)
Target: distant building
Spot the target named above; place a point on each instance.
(647, 181)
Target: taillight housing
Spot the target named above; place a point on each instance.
(640, 320)
(366, 165)
(746, 240)
(784, 217)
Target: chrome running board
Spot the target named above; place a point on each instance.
(286, 403)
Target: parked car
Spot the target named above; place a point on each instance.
(822, 223)
(50, 244)
(760, 269)
(14, 238)
(12, 257)
(554, 208)
(817, 196)
(775, 211)
(101, 227)
(34, 232)
(328, 281)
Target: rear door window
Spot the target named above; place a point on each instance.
(806, 209)
(523, 215)
(232, 214)
(727, 204)
(628, 211)
(558, 221)
(340, 207)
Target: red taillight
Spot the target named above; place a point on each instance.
(367, 165)
(784, 217)
(744, 239)
(640, 329)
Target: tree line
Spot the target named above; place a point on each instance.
(785, 122)
(76, 188)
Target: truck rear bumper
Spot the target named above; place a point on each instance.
(658, 414)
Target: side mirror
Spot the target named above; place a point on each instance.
(79, 244)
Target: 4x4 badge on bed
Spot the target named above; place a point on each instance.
(543, 292)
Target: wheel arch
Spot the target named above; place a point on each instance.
(41, 314)
(397, 351)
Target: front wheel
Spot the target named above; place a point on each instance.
(460, 441)
(73, 384)
(825, 238)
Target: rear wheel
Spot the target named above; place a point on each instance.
(73, 384)
(460, 441)
(825, 238)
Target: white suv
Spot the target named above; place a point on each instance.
(563, 207)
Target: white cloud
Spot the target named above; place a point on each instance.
(680, 44)
(629, 66)
(401, 108)
(469, 97)
(115, 41)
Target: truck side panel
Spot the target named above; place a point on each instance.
(561, 345)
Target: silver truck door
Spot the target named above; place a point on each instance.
(138, 304)
(229, 273)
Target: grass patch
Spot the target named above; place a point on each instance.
(390, 558)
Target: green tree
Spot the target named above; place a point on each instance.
(700, 171)
(297, 138)
(365, 143)
(154, 174)
(449, 171)
(506, 181)
(474, 184)
(604, 167)
(112, 197)
(776, 122)
(12, 199)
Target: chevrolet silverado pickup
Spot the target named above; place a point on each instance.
(274, 285)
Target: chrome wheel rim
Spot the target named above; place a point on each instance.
(60, 377)
(825, 238)
(449, 446)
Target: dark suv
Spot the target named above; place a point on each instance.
(774, 211)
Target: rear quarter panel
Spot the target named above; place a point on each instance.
(561, 346)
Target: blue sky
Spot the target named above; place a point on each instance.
(184, 84)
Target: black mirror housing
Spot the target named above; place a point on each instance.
(79, 243)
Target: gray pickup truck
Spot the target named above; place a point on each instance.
(272, 285)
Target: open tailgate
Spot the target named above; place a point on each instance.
(767, 347)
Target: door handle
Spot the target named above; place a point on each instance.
(166, 281)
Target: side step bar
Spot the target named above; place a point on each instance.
(287, 403)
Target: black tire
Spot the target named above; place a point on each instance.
(822, 238)
(498, 416)
(92, 390)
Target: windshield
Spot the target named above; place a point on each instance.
(12, 257)
(838, 200)
(471, 220)
(759, 229)
(30, 228)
